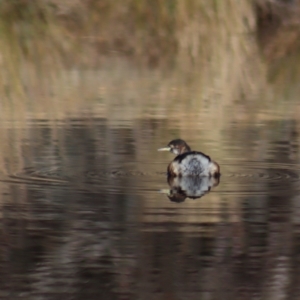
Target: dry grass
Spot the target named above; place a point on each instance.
(43, 37)
(209, 43)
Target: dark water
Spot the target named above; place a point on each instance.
(87, 211)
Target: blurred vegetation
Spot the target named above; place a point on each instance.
(278, 27)
(146, 29)
(39, 38)
(42, 36)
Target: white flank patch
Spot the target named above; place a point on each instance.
(192, 165)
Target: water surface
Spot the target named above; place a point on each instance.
(87, 210)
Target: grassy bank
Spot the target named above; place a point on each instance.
(153, 32)
(148, 30)
(50, 34)
(211, 44)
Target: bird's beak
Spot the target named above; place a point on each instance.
(164, 191)
(164, 149)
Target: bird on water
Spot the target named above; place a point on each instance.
(188, 162)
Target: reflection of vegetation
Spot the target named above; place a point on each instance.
(56, 91)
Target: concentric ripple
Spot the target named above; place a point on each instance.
(265, 171)
(242, 177)
(51, 176)
(259, 177)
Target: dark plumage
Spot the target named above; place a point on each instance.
(190, 163)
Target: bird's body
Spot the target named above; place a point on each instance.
(190, 163)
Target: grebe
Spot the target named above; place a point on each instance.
(188, 162)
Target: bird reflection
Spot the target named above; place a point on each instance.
(189, 187)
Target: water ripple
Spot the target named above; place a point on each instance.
(243, 177)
